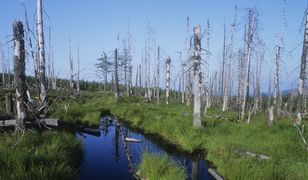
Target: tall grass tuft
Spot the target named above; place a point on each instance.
(155, 166)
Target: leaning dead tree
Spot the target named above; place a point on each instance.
(168, 62)
(197, 76)
(302, 76)
(41, 55)
(19, 76)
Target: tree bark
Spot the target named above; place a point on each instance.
(168, 62)
(19, 76)
(78, 69)
(248, 59)
(116, 77)
(9, 104)
(71, 66)
(300, 102)
(41, 54)
(157, 75)
(197, 77)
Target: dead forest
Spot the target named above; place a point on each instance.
(165, 86)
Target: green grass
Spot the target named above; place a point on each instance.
(219, 138)
(155, 166)
(47, 155)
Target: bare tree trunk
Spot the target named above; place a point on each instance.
(41, 54)
(54, 81)
(227, 85)
(157, 75)
(271, 116)
(78, 69)
(168, 62)
(206, 69)
(49, 59)
(3, 67)
(9, 104)
(183, 82)
(189, 72)
(276, 99)
(129, 67)
(300, 105)
(116, 83)
(19, 76)
(33, 53)
(71, 64)
(248, 59)
(197, 77)
(223, 75)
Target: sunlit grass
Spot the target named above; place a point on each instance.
(155, 166)
(48, 155)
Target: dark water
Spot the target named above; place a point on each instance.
(106, 156)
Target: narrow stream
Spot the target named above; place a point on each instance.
(106, 153)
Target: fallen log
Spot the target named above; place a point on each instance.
(93, 132)
(251, 154)
(7, 123)
(49, 122)
(127, 139)
(12, 122)
(214, 174)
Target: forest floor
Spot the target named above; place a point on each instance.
(224, 140)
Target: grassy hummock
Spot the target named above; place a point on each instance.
(220, 138)
(154, 166)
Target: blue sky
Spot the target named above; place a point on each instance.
(94, 25)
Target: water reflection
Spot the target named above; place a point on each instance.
(111, 157)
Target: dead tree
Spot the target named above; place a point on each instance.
(300, 102)
(197, 76)
(54, 80)
(9, 104)
(19, 76)
(276, 98)
(206, 69)
(78, 69)
(227, 85)
(49, 59)
(157, 74)
(223, 64)
(41, 55)
(248, 55)
(71, 64)
(257, 88)
(189, 83)
(116, 77)
(33, 53)
(128, 66)
(168, 62)
(183, 82)
(3, 67)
